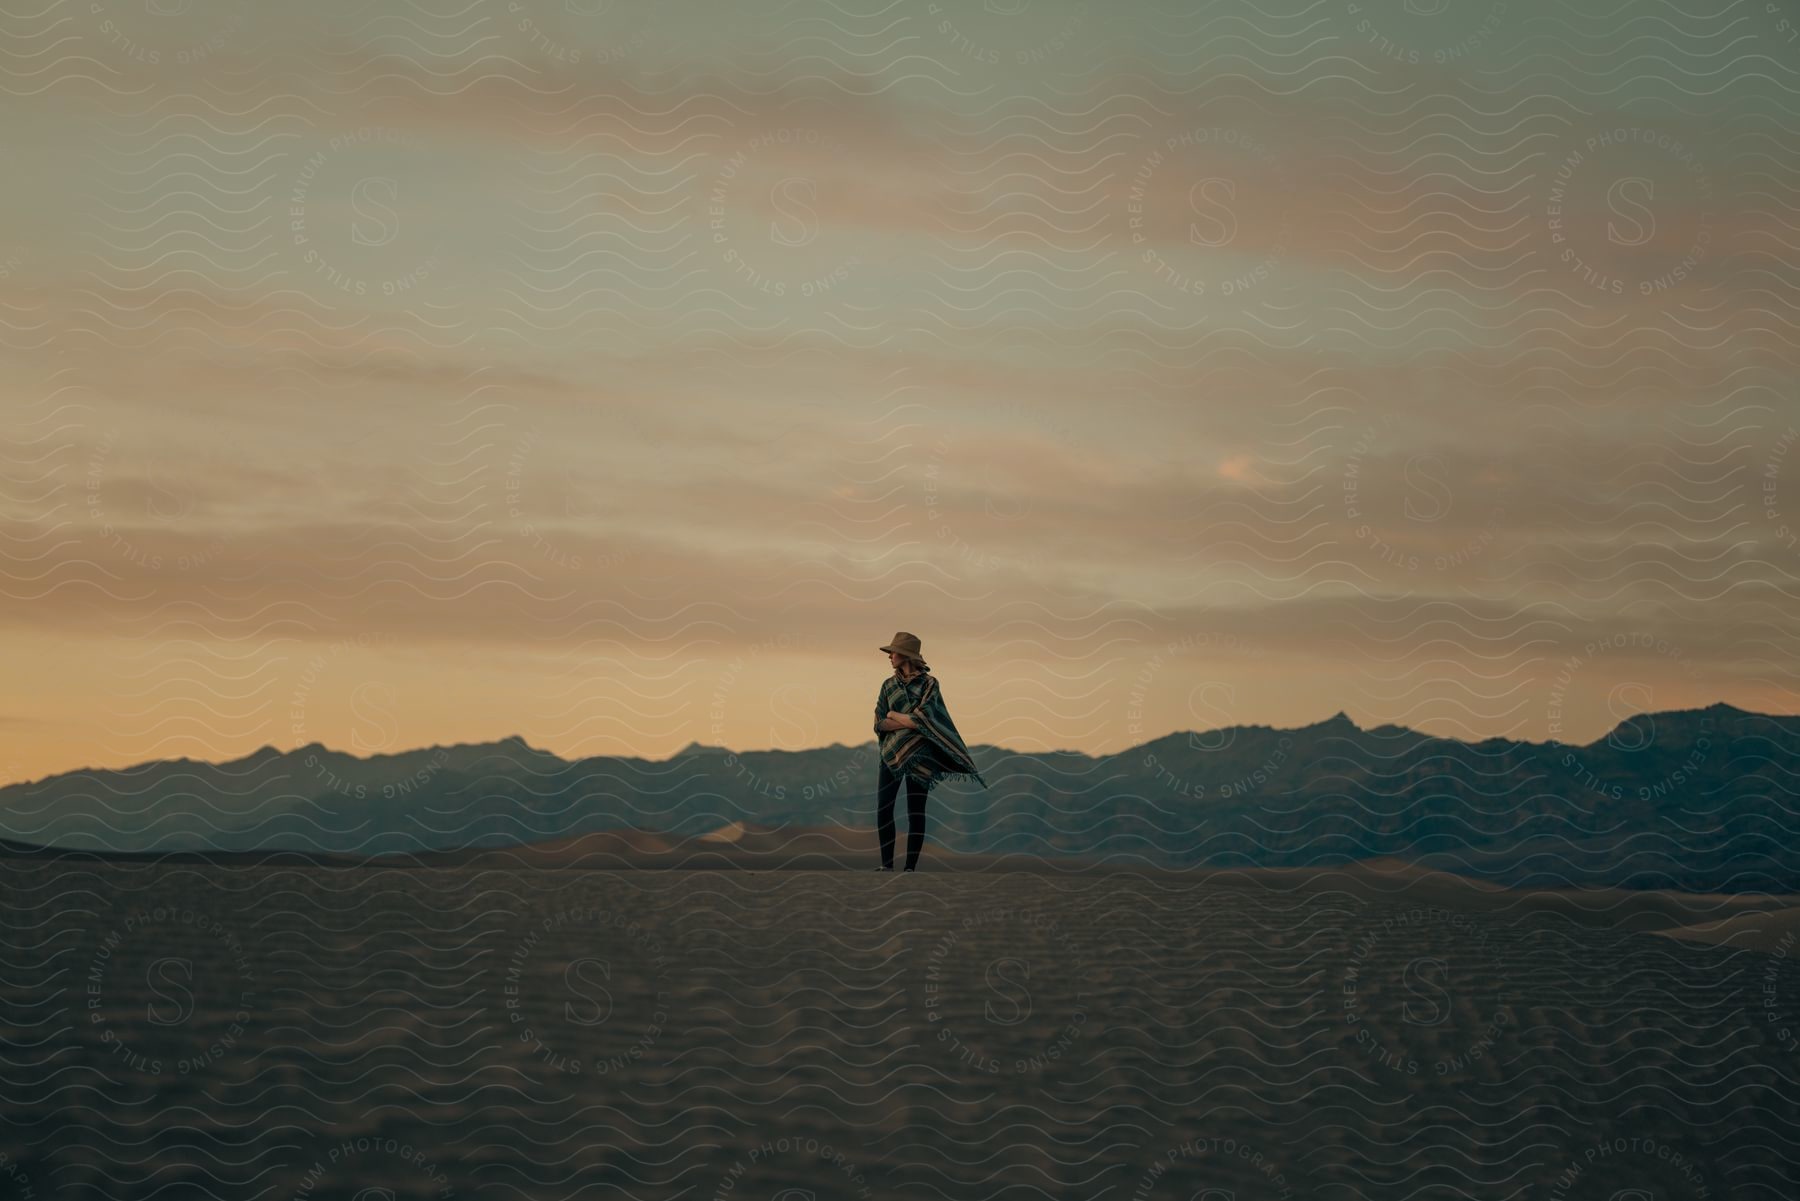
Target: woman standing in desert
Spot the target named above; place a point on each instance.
(918, 743)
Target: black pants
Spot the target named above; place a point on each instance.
(887, 791)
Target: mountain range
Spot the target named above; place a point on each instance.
(1697, 799)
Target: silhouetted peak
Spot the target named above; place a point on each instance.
(255, 758)
(1337, 723)
(1677, 726)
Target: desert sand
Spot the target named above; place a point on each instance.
(531, 1029)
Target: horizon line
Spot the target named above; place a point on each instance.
(520, 739)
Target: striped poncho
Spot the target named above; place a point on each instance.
(932, 752)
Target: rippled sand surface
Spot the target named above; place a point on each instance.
(194, 1031)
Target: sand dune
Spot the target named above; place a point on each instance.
(738, 845)
(1624, 909)
(743, 846)
(471, 1030)
(1771, 930)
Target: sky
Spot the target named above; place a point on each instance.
(623, 376)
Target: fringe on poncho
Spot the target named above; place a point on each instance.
(935, 750)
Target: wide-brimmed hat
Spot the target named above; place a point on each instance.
(905, 644)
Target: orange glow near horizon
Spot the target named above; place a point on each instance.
(392, 398)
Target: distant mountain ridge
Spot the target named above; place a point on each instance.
(1698, 799)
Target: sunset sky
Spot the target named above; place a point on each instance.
(623, 375)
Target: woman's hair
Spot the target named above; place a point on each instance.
(919, 665)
